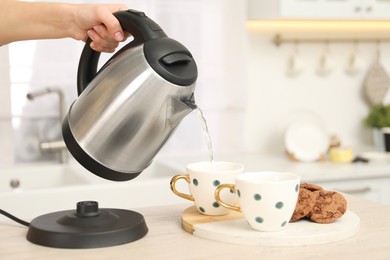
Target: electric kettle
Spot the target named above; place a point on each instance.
(127, 110)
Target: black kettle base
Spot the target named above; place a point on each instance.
(87, 227)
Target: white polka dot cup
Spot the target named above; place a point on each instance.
(267, 199)
(203, 178)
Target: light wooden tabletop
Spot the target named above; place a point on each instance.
(167, 240)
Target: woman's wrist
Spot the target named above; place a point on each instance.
(36, 20)
(69, 22)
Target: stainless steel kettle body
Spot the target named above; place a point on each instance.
(126, 112)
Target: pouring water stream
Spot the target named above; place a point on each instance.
(206, 135)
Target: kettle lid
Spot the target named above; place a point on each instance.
(171, 60)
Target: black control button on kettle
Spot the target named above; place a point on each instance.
(176, 58)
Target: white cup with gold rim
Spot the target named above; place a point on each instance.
(267, 199)
(203, 178)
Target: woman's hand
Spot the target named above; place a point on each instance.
(98, 23)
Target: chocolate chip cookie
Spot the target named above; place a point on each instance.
(329, 206)
(310, 186)
(305, 204)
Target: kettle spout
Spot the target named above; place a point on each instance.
(177, 109)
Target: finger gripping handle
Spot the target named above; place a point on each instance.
(141, 27)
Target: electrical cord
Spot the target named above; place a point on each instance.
(8, 215)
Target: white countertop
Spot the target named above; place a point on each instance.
(167, 240)
(309, 172)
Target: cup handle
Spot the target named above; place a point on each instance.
(218, 197)
(173, 186)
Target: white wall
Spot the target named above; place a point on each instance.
(218, 41)
(275, 99)
(6, 133)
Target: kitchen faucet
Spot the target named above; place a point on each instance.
(58, 145)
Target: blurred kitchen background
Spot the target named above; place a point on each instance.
(249, 88)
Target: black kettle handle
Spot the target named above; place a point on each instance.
(134, 22)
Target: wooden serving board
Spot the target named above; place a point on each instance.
(233, 228)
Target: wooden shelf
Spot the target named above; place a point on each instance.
(288, 31)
